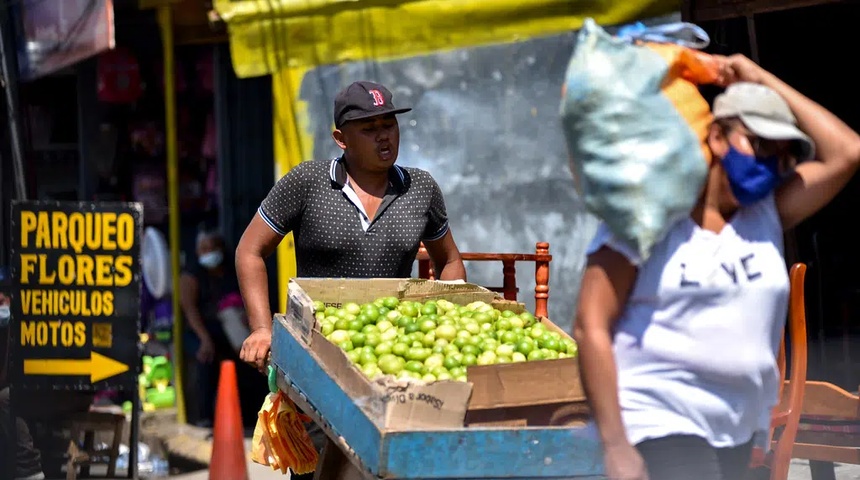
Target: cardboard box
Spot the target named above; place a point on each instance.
(519, 393)
(545, 393)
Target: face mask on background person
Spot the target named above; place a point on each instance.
(5, 316)
(211, 259)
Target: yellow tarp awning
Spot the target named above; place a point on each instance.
(268, 36)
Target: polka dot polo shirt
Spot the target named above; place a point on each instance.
(333, 236)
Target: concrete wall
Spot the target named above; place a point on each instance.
(485, 124)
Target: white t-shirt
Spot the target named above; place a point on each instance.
(696, 345)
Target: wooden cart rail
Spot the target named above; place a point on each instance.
(541, 258)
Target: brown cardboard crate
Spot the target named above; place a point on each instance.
(530, 392)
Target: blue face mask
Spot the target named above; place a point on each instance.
(750, 178)
(211, 260)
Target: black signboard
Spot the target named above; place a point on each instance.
(76, 296)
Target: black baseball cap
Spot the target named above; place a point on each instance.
(363, 100)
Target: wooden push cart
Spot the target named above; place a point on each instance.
(358, 448)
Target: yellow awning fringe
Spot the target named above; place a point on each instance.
(270, 35)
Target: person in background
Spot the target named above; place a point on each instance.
(678, 352)
(25, 459)
(202, 285)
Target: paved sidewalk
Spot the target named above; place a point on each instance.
(799, 471)
(255, 472)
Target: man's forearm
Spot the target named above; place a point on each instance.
(254, 285)
(453, 270)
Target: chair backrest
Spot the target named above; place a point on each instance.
(509, 289)
(787, 414)
(832, 419)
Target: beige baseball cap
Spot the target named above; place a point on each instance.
(764, 112)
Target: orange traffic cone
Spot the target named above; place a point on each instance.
(228, 438)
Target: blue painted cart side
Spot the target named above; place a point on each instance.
(491, 453)
(467, 453)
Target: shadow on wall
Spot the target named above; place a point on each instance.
(485, 124)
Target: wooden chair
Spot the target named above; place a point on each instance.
(87, 424)
(787, 414)
(829, 430)
(509, 289)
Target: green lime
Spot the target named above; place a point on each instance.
(535, 355)
(408, 310)
(359, 339)
(341, 324)
(352, 308)
(415, 366)
(412, 328)
(371, 311)
(450, 362)
(390, 302)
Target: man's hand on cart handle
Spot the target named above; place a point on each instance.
(256, 348)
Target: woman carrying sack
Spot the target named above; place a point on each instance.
(678, 351)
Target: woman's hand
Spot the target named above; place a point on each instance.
(623, 462)
(738, 68)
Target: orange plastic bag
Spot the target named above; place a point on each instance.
(689, 69)
(281, 440)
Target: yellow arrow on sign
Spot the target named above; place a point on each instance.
(98, 367)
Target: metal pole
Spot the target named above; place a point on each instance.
(8, 69)
(166, 24)
(751, 31)
(134, 435)
(10, 453)
(10, 80)
(5, 199)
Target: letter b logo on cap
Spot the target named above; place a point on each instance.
(378, 99)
